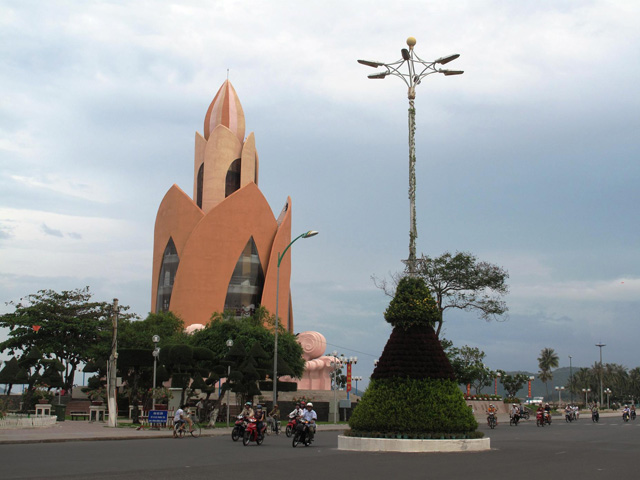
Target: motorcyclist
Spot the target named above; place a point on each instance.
(247, 411)
(515, 412)
(259, 416)
(568, 410)
(310, 416)
(633, 411)
(273, 416)
(626, 411)
(547, 412)
(492, 411)
(297, 412)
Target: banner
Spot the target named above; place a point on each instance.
(348, 377)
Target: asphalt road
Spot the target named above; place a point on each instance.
(581, 450)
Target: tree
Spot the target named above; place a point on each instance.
(547, 360)
(63, 325)
(512, 383)
(460, 281)
(467, 363)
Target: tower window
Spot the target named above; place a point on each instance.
(233, 178)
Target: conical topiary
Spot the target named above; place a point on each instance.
(413, 390)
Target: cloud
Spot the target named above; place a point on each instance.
(51, 231)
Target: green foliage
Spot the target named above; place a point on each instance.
(467, 363)
(404, 405)
(249, 331)
(66, 326)
(512, 383)
(412, 305)
(462, 281)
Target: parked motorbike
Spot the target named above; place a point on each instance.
(302, 434)
(238, 428)
(251, 433)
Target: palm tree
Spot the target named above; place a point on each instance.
(547, 360)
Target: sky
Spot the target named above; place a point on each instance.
(530, 160)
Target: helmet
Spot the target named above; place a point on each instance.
(302, 404)
(309, 404)
(248, 404)
(258, 407)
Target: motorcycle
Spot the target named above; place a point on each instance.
(595, 416)
(625, 416)
(547, 417)
(570, 416)
(514, 419)
(238, 428)
(302, 434)
(633, 414)
(290, 427)
(540, 419)
(524, 413)
(251, 433)
(492, 420)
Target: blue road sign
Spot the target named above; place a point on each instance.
(158, 416)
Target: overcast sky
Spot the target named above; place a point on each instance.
(530, 160)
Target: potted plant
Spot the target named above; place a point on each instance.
(161, 396)
(96, 395)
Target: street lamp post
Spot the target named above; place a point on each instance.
(335, 364)
(357, 379)
(156, 351)
(600, 345)
(586, 392)
(111, 369)
(308, 234)
(570, 380)
(559, 389)
(417, 70)
(229, 345)
(495, 389)
(529, 389)
(608, 392)
(350, 361)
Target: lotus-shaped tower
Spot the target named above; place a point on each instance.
(219, 251)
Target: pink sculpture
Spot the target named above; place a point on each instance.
(317, 371)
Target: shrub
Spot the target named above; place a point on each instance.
(413, 406)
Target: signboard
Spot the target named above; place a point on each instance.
(345, 403)
(348, 377)
(158, 416)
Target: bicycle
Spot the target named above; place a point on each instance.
(180, 429)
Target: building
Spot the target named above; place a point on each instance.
(218, 251)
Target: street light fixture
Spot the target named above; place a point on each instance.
(310, 233)
(495, 390)
(229, 345)
(586, 392)
(357, 379)
(559, 389)
(608, 392)
(417, 70)
(156, 351)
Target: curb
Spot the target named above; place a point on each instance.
(360, 444)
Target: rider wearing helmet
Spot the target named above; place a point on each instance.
(492, 411)
(247, 411)
(259, 416)
(310, 416)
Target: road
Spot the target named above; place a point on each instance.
(581, 450)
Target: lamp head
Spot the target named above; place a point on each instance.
(310, 233)
(411, 42)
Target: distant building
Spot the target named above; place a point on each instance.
(219, 250)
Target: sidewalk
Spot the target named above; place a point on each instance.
(73, 431)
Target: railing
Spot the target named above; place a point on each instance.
(27, 421)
